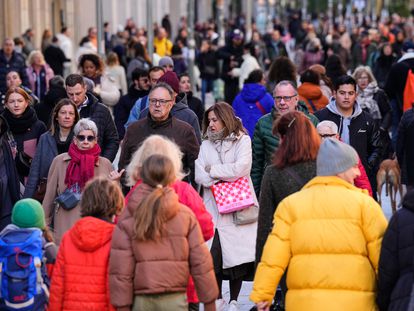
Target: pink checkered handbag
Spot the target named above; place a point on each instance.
(232, 196)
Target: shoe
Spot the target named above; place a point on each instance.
(233, 306)
(220, 305)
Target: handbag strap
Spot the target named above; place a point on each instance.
(260, 107)
(295, 176)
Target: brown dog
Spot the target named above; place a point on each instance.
(389, 174)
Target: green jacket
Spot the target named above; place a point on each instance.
(265, 143)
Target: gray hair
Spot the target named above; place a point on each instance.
(85, 125)
(286, 83)
(333, 128)
(363, 69)
(164, 86)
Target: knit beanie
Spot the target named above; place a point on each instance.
(28, 213)
(335, 157)
(166, 61)
(171, 79)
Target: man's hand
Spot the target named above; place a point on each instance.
(262, 306)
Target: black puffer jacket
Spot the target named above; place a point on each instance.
(15, 63)
(396, 264)
(108, 138)
(405, 147)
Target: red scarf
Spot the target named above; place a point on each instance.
(81, 166)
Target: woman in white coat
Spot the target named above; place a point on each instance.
(226, 155)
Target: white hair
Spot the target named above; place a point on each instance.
(328, 124)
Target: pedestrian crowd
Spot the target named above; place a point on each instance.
(121, 189)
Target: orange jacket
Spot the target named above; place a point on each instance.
(308, 91)
(80, 275)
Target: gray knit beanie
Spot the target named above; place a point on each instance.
(335, 157)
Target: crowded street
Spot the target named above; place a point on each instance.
(225, 155)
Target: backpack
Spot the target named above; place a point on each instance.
(23, 278)
(408, 99)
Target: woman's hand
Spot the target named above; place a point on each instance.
(262, 306)
(115, 175)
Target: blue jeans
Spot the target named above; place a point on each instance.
(207, 85)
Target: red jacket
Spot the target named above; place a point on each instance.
(362, 181)
(189, 197)
(80, 276)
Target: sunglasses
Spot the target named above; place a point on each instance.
(326, 135)
(83, 138)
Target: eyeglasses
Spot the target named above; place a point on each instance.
(363, 78)
(326, 135)
(286, 99)
(89, 138)
(162, 102)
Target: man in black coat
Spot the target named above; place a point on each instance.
(394, 87)
(231, 55)
(89, 107)
(9, 178)
(405, 148)
(10, 60)
(356, 127)
(55, 57)
(139, 88)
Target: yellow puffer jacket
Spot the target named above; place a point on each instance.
(330, 235)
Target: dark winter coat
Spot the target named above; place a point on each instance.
(394, 87)
(405, 147)
(230, 53)
(108, 138)
(245, 105)
(396, 263)
(16, 63)
(195, 104)
(9, 179)
(55, 57)
(208, 64)
(123, 108)
(382, 68)
(273, 53)
(276, 185)
(44, 110)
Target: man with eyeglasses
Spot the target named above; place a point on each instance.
(89, 107)
(139, 88)
(161, 122)
(265, 143)
(328, 129)
(155, 73)
(356, 127)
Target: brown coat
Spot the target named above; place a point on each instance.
(164, 266)
(63, 220)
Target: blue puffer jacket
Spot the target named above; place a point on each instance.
(245, 107)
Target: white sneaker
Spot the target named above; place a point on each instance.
(233, 306)
(220, 305)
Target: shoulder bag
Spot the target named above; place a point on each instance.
(69, 198)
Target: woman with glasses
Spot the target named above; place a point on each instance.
(294, 164)
(52, 143)
(71, 170)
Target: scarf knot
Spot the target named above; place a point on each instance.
(82, 165)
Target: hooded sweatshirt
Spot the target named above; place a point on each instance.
(345, 121)
(80, 276)
(245, 105)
